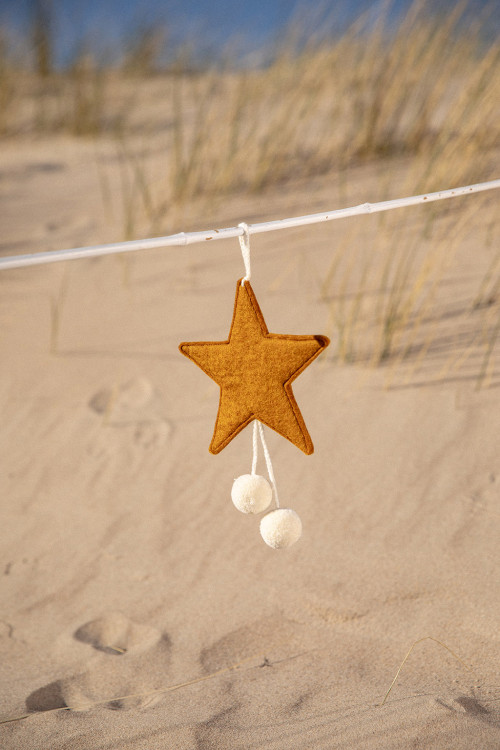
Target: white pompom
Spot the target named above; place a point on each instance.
(281, 528)
(251, 493)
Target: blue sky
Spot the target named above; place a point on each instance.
(252, 23)
(114, 18)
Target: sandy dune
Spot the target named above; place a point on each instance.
(125, 568)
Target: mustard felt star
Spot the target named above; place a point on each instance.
(255, 370)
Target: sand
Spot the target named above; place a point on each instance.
(126, 570)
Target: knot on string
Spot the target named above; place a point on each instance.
(245, 251)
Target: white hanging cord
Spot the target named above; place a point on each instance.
(258, 431)
(190, 238)
(255, 440)
(245, 251)
(268, 463)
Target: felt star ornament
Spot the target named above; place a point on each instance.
(255, 370)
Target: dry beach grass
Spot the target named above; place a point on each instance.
(421, 102)
(125, 568)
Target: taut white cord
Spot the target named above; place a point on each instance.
(189, 238)
(268, 463)
(245, 251)
(258, 431)
(255, 452)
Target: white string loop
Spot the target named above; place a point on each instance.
(258, 430)
(245, 251)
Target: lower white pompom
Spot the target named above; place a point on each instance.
(281, 528)
(251, 493)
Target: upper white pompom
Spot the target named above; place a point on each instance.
(281, 528)
(251, 493)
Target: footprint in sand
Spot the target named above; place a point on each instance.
(125, 398)
(134, 404)
(116, 634)
(258, 640)
(269, 647)
(151, 434)
(135, 659)
(466, 704)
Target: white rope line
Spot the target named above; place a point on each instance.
(245, 251)
(258, 431)
(268, 462)
(255, 446)
(189, 238)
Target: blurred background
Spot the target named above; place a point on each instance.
(172, 116)
(244, 95)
